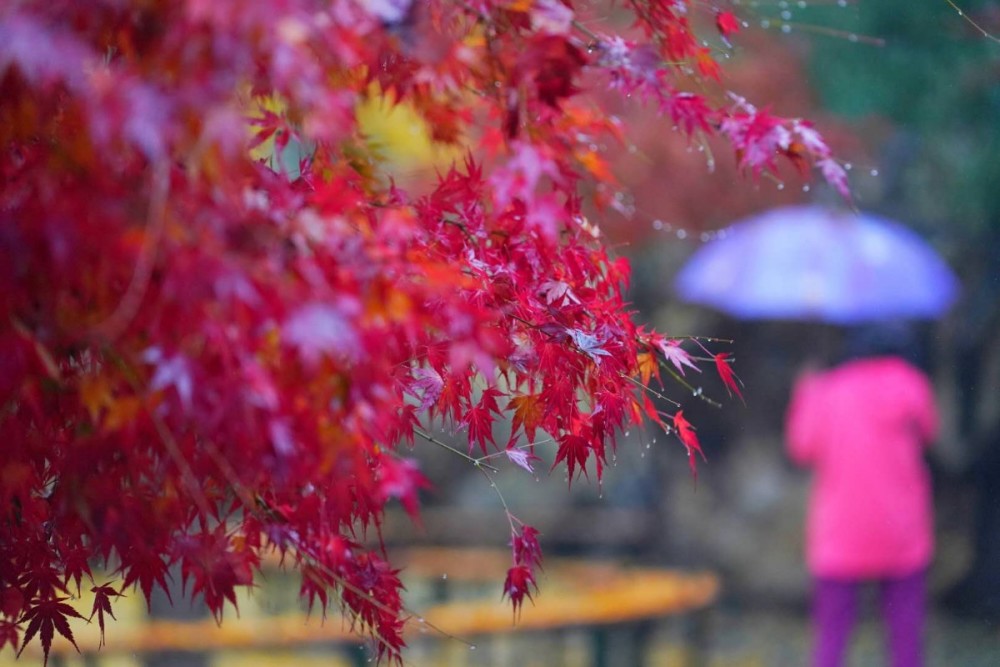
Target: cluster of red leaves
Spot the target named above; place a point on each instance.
(202, 359)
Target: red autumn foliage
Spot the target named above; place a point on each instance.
(204, 358)
(725, 370)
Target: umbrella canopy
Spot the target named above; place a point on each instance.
(817, 263)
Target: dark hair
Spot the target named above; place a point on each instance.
(881, 339)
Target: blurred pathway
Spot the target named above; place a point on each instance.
(773, 638)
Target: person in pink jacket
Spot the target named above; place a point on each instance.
(863, 427)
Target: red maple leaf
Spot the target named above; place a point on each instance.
(528, 413)
(687, 436)
(401, 479)
(726, 23)
(45, 618)
(102, 604)
(480, 419)
(554, 61)
(573, 450)
(726, 374)
(8, 633)
(526, 547)
(518, 584)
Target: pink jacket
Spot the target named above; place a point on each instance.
(862, 428)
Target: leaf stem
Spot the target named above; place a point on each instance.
(650, 390)
(968, 19)
(474, 461)
(684, 383)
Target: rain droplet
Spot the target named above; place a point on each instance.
(765, 24)
(472, 647)
(787, 15)
(874, 172)
(806, 188)
(444, 576)
(842, 3)
(682, 234)
(781, 186)
(657, 225)
(785, 28)
(802, 4)
(852, 37)
(848, 166)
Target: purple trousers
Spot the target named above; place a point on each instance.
(903, 603)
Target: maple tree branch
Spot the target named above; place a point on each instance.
(968, 19)
(523, 445)
(586, 31)
(116, 323)
(650, 390)
(230, 474)
(471, 459)
(496, 489)
(710, 339)
(339, 580)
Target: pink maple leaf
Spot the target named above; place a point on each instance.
(675, 354)
(521, 457)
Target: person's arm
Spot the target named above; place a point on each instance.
(802, 429)
(925, 408)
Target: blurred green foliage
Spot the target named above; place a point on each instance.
(937, 80)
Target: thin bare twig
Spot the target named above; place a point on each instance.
(474, 461)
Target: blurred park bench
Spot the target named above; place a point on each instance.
(614, 608)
